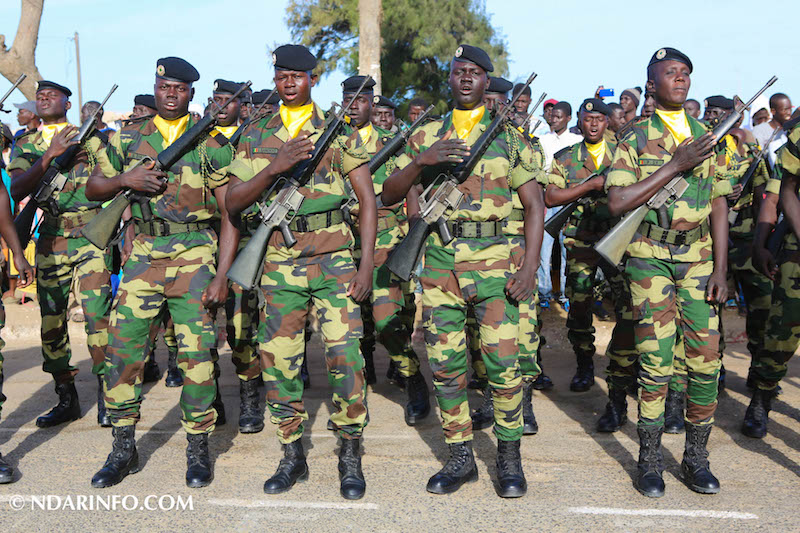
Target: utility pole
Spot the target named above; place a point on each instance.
(370, 14)
(78, 63)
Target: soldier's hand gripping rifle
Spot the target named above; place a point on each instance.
(436, 210)
(751, 170)
(555, 223)
(101, 230)
(246, 268)
(613, 245)
(56, 176)
(11, 90)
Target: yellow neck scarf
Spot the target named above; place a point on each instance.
(294, 117)
(170, 130)
(597, 151)
(365, 133)
(464, 120)
(49, 131)
(677, 123)
(227, 131)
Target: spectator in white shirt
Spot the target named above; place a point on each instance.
(781, 108)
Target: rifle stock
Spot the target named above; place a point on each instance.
(250, 261)
(614, 243)
(101, 233)
(403, 259)
(555, 223)
(775, 240)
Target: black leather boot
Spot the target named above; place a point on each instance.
(616, 414)
(102, 415)
(67, 409)
(122, 460)
(459, 469)
(351, 478)
(6, 472)
(483, 416)
(721, 380)
(418, 405)
(394, 376)
(757, 414)
(583, 379)
(198, 464)
(649, 479)
(695, 469)
(511, 481)
(674, 412)
(292, 468)
(151, 371)
(529, 424)
(174, 377)
(251, 416)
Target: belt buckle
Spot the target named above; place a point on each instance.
(302, 224)
(478, 230)
(163, 228)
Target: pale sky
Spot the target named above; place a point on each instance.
(573, 45)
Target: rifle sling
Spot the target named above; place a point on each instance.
(674, 237)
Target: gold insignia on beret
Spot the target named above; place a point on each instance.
(160, 70)
(459, 51)
(589, 106)
(274, 58)
(37, 85)
(376, 100)
(661, 54)
(216, 85)
(705, 103)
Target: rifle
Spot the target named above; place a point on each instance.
(238, 133)
(55, 177)
(555, 223)
(446, 198)
(522, 127)
(11, 90)
(613, 245)
(751, 170)
(101, 230)
(247, 267)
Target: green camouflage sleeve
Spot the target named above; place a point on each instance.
(538, 159)
(219, 158)
(723, 177)
(23, 156)
(414, 147)
(349, 153)
(557, 175)
(243, 166)
(111, 159)
(525, 169)
(625, 166)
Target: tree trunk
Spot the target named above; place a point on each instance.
(19, 59)
(370, 14)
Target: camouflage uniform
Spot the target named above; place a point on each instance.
(668, 281)
(473, 272)
(317, 269)
(584, 228)
(64, 256)
(168, 271)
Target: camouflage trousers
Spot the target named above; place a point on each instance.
(757, 292)
(60, 262)
(667, 298)
(447, 295)
(241, 326)
(166, 324)
(144, 292)
(289, 291)
(782, 336)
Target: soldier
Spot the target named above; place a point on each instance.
(381, 314)
(676, 270)
(270, 107)
(144, 106)
(172, 266)
(383, 113)
(474, 270)
(318, 269)
(496, 95)
(416, 107)
(63, 255)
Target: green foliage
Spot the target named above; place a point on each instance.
(419, 39)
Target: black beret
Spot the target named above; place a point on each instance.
(473, 54)
(293, 57)
(526, 92)
(260, 96)
(176, 69)
(147, 100)
(499, 85)
(226, 87)
(382, 101)
(351, 84)
(667, 53)
(44, 84)
(719, 101)
(595, 105)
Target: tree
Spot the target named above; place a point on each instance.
(20, 58)
(369, 40)
(419, 38)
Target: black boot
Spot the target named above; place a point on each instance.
(695, 468)
(122, 460)
(251, 416)
(649, 480)
(674, 412)
(67, 409)
(757, 414)
(174, 377)
(584, 375)
(151, 371)
(219, 407)
(418, 405)
(6, 472)
(369, 368)
(510, 477)
(198, 464)
(394, 376)
(292, 468)
(102, 414)
(529, 424)
(483, 416)
(459, 469)
(543, 382)
(616, 414)
(351, 478)
(721, 381)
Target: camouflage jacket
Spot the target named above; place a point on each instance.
(787, 161)
(645, 148)
(31, 146)
(507, 164)
(517, 227)
(739, 162)
(189, 196)
(571, 166)
(325, 191)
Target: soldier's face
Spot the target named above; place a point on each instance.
(229, 115)
(616, 120)
(714, 113)
(383, 117)
(294, 87)
(671, 83)
(468, 82)
(522, 104)
(51, 104)
(494, 101)
(358, 109)
(649, 106)
(172, 98)
(593, 126)
(142, 111)
(414, 112)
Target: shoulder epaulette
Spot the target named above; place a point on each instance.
(563, 152)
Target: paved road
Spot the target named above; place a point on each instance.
(578, 479)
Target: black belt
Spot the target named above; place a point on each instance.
(470, 229)
(317, 221)
(163, 228)
(674, 237)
